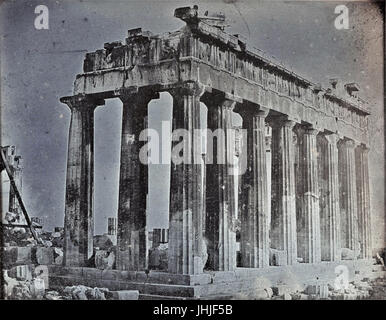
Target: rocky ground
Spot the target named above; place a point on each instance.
(359, 290)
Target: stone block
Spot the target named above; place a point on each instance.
(44, 256)
(37, 288)
(262, 283)
(348, 254)
(287, 296)
(22, 272)
(299, 296)
(124, 295)
(349, 296)
(377, 268)
(103, 242)
(17, 256)
(58, 256)
(269, 292)
(91, 273)
(110, 275)
(321, 290)
(104, 260)
(283, 289)
(277, 257)
(96, 293)
(259, 294)
(10, 284)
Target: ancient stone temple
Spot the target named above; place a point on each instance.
(319, 182)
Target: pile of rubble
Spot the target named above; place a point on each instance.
(81, 292)
(358, 290)
(35, 290)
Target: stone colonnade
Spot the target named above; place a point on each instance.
(319, 185)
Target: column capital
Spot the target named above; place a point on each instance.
(247, 109)
(349, 143)
(139, 94)
(365, 148)
(306, 130)
(281, 121)
(82, 101)
(216, 98)
(332, 138)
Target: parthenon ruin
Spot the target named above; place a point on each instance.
(319, 183)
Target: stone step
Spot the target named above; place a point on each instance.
(377, 267)
(136, 276)
(378, 274)
(146, 296)
(160, 289)
(143, 288)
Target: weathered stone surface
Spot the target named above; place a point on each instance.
(277, 257)
(283, 290)
(158, 257)
(186, 201)
(308, 223)
(220, 232)
(79, 221)
(21, 291)
(104, 259)
(17, 256)
(96, 294)
(287, 296)
(283, 221)
(52, 295)
(348, 195)
(44, 255)
(102, 242)
(37, 288)
(9, 284)
(254, 242)
(58, 256)
(125, 295)
(321, 290)
(363, 195)
(133, 184)
(21, 272)
(329, 197)
(349, 254)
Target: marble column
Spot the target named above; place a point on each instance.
(308, 219)
(348, 195)
(220, 231)
(133, 185)
(283, 223)
(185, 252)
(329, 203)
(254, 234)
(363, 194)
(78, 220)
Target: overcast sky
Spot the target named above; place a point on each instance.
(39, 66)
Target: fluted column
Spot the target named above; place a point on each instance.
(348, 195)
(330, 211)
(185, 254)
(133, 184)
(283, 223)
(254, 242)
(308, 218)
(363, 194)
(220, 198)
(78, 219)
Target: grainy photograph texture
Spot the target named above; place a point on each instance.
(174, 150)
